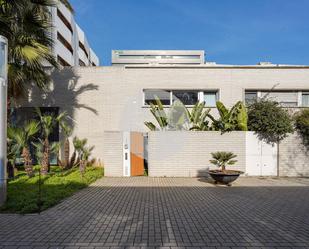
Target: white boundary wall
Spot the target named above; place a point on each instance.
(187, 154)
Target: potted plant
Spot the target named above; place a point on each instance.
(222, 175)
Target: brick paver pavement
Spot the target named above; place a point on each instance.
(169, 213)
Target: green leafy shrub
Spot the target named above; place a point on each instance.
(271, 122)
(302, 125)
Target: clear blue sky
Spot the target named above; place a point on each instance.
(230, 31)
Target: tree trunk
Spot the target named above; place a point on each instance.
(66, 153)
(82, 167)
(72, 160)
(27, 162)
(45, 161)
(278, 159)
(10, 169)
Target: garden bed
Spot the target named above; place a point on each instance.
(23, 192)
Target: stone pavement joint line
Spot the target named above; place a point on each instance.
(141, 212)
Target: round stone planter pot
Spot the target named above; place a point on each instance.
(225, 177)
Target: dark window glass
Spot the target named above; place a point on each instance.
(305, 99)
(163, 95)
(250, 97)
(185, 96)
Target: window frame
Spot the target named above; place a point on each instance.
(200, 95)
(301, 99)
(300, 94)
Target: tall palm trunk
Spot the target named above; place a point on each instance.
(66, 153)
(82, 166)
(223, 167)
(45, 161)
(27, 162)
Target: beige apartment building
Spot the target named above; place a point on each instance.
(116, 98)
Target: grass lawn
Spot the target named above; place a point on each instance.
(23, 192)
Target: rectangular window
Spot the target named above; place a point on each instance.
(250, 97)
(163, 95)
(210, 99)
(284, 98)
(187, 97)
(305, 99)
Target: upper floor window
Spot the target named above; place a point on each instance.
(250, 97)
(187, 97)
(305, 99)
(286, 98)
(163, 95)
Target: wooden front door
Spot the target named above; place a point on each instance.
(137, 153)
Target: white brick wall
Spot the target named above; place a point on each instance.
(187, 154)
(294, 157)
(110, 98)
(113, 156)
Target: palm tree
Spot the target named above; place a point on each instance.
(222, 158)
(27, 25)
(86, 152)
(13, 151)
(47, 123)
(67, 130)
(22, 137)
(79, 145)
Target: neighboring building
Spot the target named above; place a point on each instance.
(71, 45)
(116, 98)
(176, 57)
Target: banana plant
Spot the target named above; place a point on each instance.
(198, 117)
(157, 110)
(235, 119)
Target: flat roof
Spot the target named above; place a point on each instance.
(213, 66)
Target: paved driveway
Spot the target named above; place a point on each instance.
(169, 213)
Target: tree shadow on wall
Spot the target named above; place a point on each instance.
(65, 92)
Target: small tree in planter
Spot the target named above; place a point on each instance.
(271, 122)
(221, 159)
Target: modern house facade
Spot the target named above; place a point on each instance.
(103, 101)
(71, 45)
